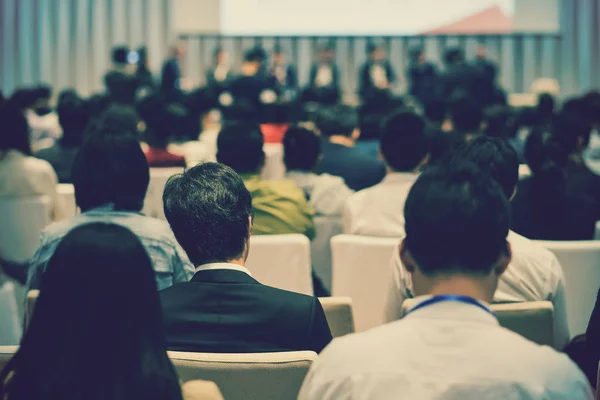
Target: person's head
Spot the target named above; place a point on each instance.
(403, 143)
(121, 87)
(221, 57)
(497, 120)
(240, 146)
(544, 154)
(462, 214)
(161, 122)
(254, 58)
(545, 105)
(375, 51)
(110, 168)
(495, 157)
(454, 56)
(178, 50)
(338, 120)
(23, 98)
(73, 116)
(301, 149)
(119, 119)
(481, 51)
(278, 55)
(466, 115)
(572, 130)
(442, 145)
(210, 211)
(417, 55)
(435, 110)
(101, 329)
(42, 94)
(14, 134)
(327, 53)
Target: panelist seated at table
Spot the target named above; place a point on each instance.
(324, 79)
(376, 75)
(218, 75)
(223, 309)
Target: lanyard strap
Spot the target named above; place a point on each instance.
(450, 297)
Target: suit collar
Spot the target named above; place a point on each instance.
(223, 276)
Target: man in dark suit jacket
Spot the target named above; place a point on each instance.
(218, 76)
(223, 309)
(339, 127)
(170, 84)
(376, 75)
(324, 82)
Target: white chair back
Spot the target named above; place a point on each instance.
(23, 220)
(522, 99)
(153, 205)
(580, 263)
(274, 168)
(326, 227)
(201, 390)
(361, 271)
(6, 353)
(265, 376)
(338, 311)
(524, 172)
(10, 325)
(533, 320)
(281, 261)
(66, 193)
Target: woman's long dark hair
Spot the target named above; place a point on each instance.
(96, 332)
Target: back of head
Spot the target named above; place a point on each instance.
(545, 105)
(110, 169)
(208, 208)
(572, 130)
(403, 142)
(121, 87)
(301, 149)
(495, 157)
(337, 120)
(255, 55)
(435, 110)
(160, 120)
(454, 56)
(466, 115)
(116, 120)
(23, 98)
(73, 116)
(442, 145)
(240, 146)
(14, 134)
(497, 120)
(101, 328)
(462, 214)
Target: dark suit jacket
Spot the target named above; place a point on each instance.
(170, 76)
(211, 81)
(423, 81)
(335, 76)
(227, 311)
(357, 169)
(366, 86)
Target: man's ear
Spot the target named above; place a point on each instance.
(406, 258)
(503, 260)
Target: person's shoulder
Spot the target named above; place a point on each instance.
(296, 300)
(37, 165)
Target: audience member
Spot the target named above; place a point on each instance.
(498, 121)
(121, 87)
(442, 145)
(435, 112)
(534, 274)
(326, 194)
(21, 174)
(223, 309)
(544, 208)
(93, 336)
(449, 345)
(73, 116)
(161, 122)
(279, 206)
(111, 177)
(377, 211)
(466, 117)
(338, 125)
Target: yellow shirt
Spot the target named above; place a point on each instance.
(279, 207)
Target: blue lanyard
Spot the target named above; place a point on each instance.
(449, 297)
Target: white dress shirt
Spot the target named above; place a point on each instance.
(324, 76)
(447, 350)
(379, 76)
(25, 176)
(232, 267)
(326, 193)
(379, 210)
(534, 274)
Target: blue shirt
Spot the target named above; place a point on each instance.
(170, 262)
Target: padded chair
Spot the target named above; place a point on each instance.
(257, 376)
(10, 325)
(274, 168)
(6, 353)
(580, 262)
(533, 320)
(32, 297)
(201, 390)
(338, 311)
(326, 227)
(153, 205)
(361, 270)
(281, 261)
(66, 193)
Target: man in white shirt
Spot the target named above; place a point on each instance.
(378, 210)
(449, 345)
(534, 273)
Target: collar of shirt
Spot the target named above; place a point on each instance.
(213, 266)
(400, 177)
(452, 310)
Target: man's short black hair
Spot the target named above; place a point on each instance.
(301, 149)
(73, 116)
(14, 133)
(255, 54)
(457, 221)
(495, 157)
(208, 208)
(339, 119)
(240, 146)
(403, 141)
(42, 92)
(466, 115)
(110, 168)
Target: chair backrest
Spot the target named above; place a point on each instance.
(338, 311)
(326, 227)
(533, 320)
(580, 262)
(6, 353)
(265, 376)
(66, 193)
(23, 220)
(10, 325)
(153, 205)
(281, 261)
(361, 270)
(274, 168)
(32, 297)
(522, 99)
(201, 390)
